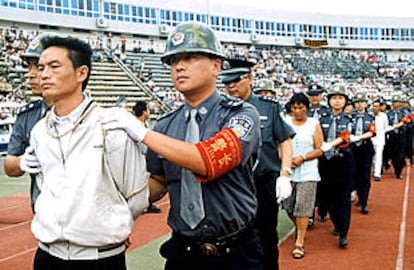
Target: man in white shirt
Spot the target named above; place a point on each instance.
(381, 124)
(83, 216)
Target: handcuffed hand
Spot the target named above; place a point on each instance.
(283, 188)
(29, 162)
(354, 138)
(122, 119)
(326, 147)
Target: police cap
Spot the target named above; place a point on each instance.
(360, 96)
(34, 49)
(314, 89)
(235, 69)
(396, 98)
(265, 85)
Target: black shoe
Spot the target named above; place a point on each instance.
(343, 242)
(399, 176)
(358, 203)
(364, 210)
(386, 166)
(322, 218)
(335, 232)
(377, 179)
(152, 209)
(311, 222)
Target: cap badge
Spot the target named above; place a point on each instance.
(178, 38)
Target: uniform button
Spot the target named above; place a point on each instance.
(190, 207)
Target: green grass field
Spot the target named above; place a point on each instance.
(146, 257)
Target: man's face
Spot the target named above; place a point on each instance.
(33, 76)
(240, 88)
(194, 73)
(376, 107)
(58, 78)
(396, 105)
(315, 100)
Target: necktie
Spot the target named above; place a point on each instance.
(191, 204)
(331, 136)
(358, 131)
(395, 121)
(315, 114)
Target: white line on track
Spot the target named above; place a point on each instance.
(400, 257)
(15, 225)
(17, 254)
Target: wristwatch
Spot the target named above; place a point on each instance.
(288, 170)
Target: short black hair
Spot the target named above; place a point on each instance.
(300, 98)
(139, 108)
(79, 52)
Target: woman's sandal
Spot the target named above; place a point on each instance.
(298, 252)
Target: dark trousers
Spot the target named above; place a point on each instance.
(335, 189)
(45, 261)
(34, 191)
(396, 144)
(266, 220)
(247, 255)
(363, 161)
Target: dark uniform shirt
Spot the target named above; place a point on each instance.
(27, 117)
(367, 120)
(274, 130)
(229, 201)
(319, 111)
(392, 121)
(343, 122)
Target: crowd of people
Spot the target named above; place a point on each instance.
(228, 159)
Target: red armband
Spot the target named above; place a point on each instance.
(405, 119)
(372, 128)
(221, 153)
(345, 135)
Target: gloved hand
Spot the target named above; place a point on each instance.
(354, 138)
(29, 162)
(326, 147)
(122, 119)
(283, 188)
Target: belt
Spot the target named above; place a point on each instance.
(217, 247)
(70, 251)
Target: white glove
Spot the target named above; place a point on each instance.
(354, 138)
(122, 119)
(29, 162)
(283, 188)
(326, 147)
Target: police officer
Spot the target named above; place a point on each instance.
(409, 133)
(395, 144)
(205, 161)
(316, 110)
(272, 170)
(336, 166)
(27, 117)
(362, 148)
(265, 87)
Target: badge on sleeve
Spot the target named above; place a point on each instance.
(241, 125)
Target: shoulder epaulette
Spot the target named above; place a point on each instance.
(170, 112)
(29, 107)
(230, 102)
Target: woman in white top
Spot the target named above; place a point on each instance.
(306, 144)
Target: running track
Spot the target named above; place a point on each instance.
(383, 239)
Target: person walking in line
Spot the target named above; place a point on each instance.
(363, 128)
(93, 180)
(27, 117)
(378, 141)
(305, 176)
(337, 165)
(316, 110)
(203, 153)
(275, 155)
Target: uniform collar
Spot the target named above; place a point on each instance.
(204, 107)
